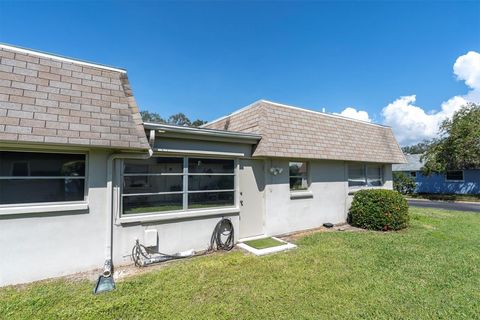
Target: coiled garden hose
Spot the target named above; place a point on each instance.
(222, 239)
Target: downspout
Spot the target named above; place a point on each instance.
(107, 268)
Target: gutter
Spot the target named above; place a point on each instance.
(204, 133)
(107, 268)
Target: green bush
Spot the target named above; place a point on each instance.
(403, 183)
(379, 209)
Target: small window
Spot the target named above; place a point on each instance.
(413, 174)
(298, 176)
(360, 175)
(37, 177)
(454, 175)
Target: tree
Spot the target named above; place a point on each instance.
(198, 123)
(403, 183)
(418, 148)
(148, 116)
(458, 146)
(179, 119)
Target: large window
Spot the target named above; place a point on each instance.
(35, 177)
(167, 184)
(365, 175)
(298, 176)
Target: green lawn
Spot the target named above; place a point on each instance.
(430, 271)
(263, 243)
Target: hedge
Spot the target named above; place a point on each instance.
(379, 209)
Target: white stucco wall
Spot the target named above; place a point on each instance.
(173, 235)
(330, 197)
(328, 188)
(43, 245)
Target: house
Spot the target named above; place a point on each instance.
(82, 178)
(450, 182)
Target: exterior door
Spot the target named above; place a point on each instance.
(252, 185)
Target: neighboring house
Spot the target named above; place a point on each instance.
(451, 182)
(81, 178)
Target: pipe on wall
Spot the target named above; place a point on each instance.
(107, 269)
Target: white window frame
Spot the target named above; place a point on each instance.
(365, 171)
(455, 180)
(55, 206)
(185, 211)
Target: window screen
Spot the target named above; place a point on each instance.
(35, 177)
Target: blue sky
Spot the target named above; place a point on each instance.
(207, 59)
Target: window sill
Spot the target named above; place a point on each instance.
(176, 215)
(301, 194)
(43, 208)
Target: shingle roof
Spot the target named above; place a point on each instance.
(414, 163)
(56, 100)
(291, 132)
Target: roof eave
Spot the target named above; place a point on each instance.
(203, 133)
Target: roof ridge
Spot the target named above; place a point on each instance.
(59, 57)
(295, 108)
(322, 113)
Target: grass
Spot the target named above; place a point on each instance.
(263, 243)
(447, 197)
(429, 271)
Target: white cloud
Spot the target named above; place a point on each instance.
(411, 124)
(353, 113)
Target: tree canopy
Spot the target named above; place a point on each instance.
(458, 146)
(418, 148)
(179, 119)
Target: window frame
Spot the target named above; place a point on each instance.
(455, 180)
(52, 206)
(365, 172)
(185, 210)
(307, 176)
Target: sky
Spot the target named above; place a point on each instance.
(405, 64)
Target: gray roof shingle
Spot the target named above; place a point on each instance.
(55, 100)
(291, 132)
(414, 163)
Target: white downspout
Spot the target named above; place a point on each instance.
(107, 268)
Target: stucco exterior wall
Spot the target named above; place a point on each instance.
(49, 244)
(173, 235)
(328, 190)
(330, 197)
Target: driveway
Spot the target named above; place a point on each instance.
(460, 206)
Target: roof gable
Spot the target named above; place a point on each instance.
(56, 100)
(291, 132)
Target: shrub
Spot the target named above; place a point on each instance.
(403, 183)
(379, 209)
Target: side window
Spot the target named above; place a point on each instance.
(374, 175)
(37, 177)
(356, 175)
(454, 175)
(298, 172)
(360, 174)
